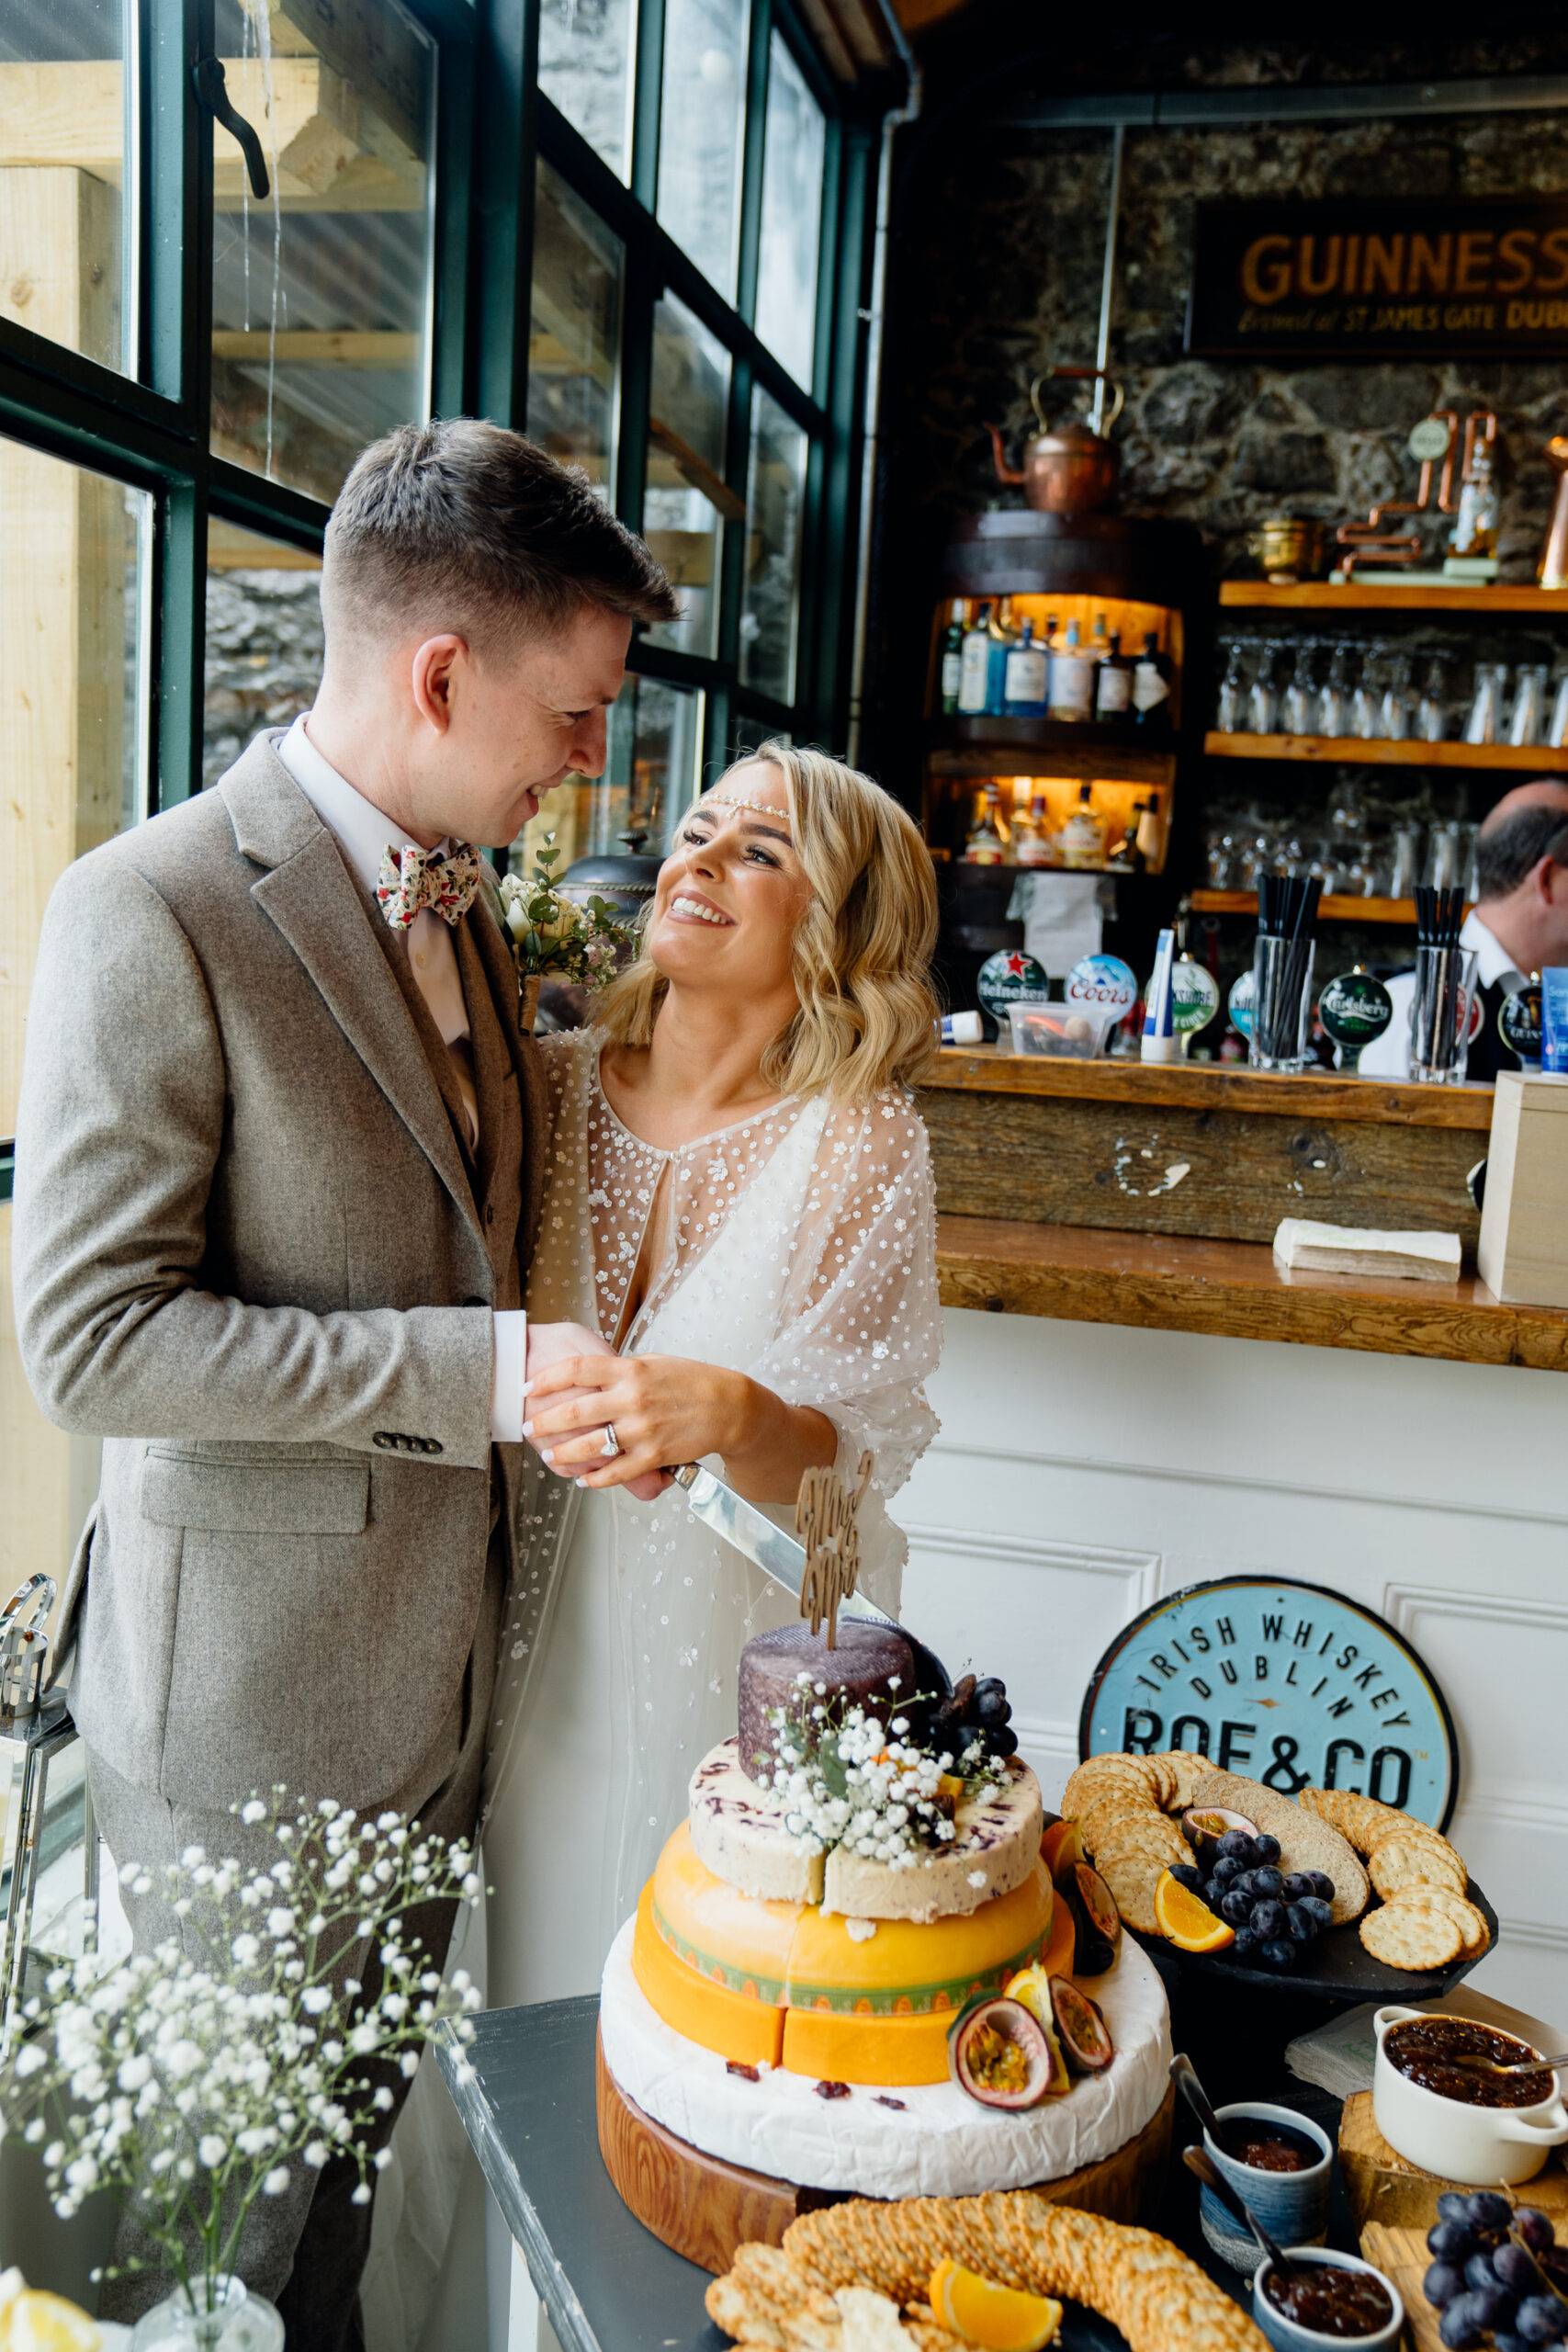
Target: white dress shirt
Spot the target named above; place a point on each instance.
(362, 831)
(1389, 1056)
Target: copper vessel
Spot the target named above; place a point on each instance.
(1289, 548)
(1067, 469)
(1551, 571)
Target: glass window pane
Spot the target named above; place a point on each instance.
(687, 500)
(64, 252)
(702, 108)
(264, 640)
(72, 580)
(586, 66)
(574, 333)
(776, 493)
(792, 216)
(322, 295)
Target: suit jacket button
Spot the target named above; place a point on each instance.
(384, 1439)
(434, 1445)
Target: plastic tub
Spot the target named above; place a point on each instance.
(1053, 1029)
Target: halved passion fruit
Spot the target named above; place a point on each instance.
(1095, 1916)
(1086, 2040)
(997, 2053)
(1031, 1988)
(1204, 1825)
(1100, 1902)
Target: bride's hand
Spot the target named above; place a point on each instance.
(666, 1410)
(552, 1344)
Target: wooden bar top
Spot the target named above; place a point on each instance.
(1232, 1290)
(1214, 1086)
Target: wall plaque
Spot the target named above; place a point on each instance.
(1362, 278)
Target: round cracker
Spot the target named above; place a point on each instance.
(1471, 1923)
(1409, 1861)
(1409, 1935)
(1147, 1834)
(1132, 1879)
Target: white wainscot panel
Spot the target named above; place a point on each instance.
(1038, 1614)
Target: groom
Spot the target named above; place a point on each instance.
(278, 1164)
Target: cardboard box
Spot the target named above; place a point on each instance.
(1523, 1250)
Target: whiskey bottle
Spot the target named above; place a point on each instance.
(1024, 676)
(988, 842)
(952, 659)
(1071, 679)
(974, 664)
(1151, 687)
(1114, 684)
(1033, 843)
(1082, 840)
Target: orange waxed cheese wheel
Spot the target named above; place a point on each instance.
(733, 2024)
(837, 2049)
(1061, 1945)
(732, 1938)
(930, 1967)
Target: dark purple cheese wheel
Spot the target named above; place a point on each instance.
(858, 1672)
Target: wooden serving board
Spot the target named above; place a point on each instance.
(703, 2208)
(1385, 2190)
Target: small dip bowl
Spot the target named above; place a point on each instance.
(1290, 2335)
(1291, 2206)
(1472, 2138)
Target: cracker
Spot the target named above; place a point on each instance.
(1162, 1780)
(1470, 1922)
(1308, 1841)
(1132, 1879)
(1411, 1862)
(1411, 1937)
(1448, 1861)
(1103, 1776)
(1143, 1833)
(1189, 1769)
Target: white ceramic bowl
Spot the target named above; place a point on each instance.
(1287, 2335)
(1480, 2145)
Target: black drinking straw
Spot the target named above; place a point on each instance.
(1286, 911)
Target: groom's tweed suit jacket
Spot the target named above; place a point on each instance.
(252, 1253)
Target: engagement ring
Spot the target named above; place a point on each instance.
(611, 1444)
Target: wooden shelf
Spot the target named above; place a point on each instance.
(983, 747)
(1393, 596)
(1336, 750)
(1332, 909)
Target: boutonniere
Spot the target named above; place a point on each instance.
(554, 937)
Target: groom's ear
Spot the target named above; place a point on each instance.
(432, 678)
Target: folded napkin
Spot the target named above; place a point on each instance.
(1305, 1248)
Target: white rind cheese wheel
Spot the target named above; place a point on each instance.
(738, 1832)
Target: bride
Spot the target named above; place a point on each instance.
(737, 1238)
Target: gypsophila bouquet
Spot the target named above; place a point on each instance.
(852, 1780)
(553, 937)
(187, 2084)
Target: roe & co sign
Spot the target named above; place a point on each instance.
(1357, 277)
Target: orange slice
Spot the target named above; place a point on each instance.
(1000, 2319)
(1190, 1925)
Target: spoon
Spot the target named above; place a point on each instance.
(1184, 2075)
(1199, 2161)
(1513, 2066)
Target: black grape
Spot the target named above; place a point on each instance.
(1453, 2205)
(1507, 2340)
(1268, 1849)
(1460, 2327)
(1226, 1868)
(1246, 1944)
(1318, 1908)
(1516, 2267)
(1243, 1885)
(1268, 1919)
(1478, 2273)
(1295, 1886)
(1185, 1875)
(1322, 1884)
(1002, 1741)
(1236, 1845)
(1268, 1881)
(1298, 1926)
(1488, 2210)
(1280, 1952)
(1541, 2319)
(1495, 2307)
(1535, 2228)
(1451, 2241)
(1443, 2281)
(1236, 1909)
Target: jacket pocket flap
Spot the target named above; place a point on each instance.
(255, 1498)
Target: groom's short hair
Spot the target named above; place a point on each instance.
(462, 525)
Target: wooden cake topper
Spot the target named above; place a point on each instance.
(825, 1523)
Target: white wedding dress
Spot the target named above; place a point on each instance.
(798, 1246)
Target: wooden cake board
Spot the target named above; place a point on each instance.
(703, 2208)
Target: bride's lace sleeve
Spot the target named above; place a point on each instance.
(859, 1323)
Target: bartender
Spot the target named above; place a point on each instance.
(1517, 927)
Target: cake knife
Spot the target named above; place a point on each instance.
(780, 1556)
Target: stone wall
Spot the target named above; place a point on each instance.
(264, 658)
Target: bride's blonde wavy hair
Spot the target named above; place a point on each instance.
(863, 952)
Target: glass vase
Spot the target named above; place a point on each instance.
(231, 2320)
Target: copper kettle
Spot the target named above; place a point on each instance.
(1068, 468)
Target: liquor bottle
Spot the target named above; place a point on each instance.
(974, 665)
(988, 842)
(1151, 832)
(1004, 636)
(1151, 687)
(1114, 684)
(1125, 856)
(953, 658)
(1072, 679)
(1024, 676)
(1082, 842)
(1033, 843)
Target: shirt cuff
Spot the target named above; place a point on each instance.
(506, 1390)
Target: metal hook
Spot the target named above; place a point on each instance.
(212, 90)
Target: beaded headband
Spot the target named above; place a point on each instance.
(758, 808)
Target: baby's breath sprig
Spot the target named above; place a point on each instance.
(849, 1778)
(189, 2078)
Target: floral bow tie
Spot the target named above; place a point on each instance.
(444, 880)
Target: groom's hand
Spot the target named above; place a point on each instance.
(666, 1410)
(558, 1349)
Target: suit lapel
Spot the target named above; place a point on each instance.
(310, 895)
(484, 927)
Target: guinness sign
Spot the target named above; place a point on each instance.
(1362, 278)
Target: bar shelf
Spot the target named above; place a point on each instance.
(1537, 759)
(1333, 908)
(1393, 596)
